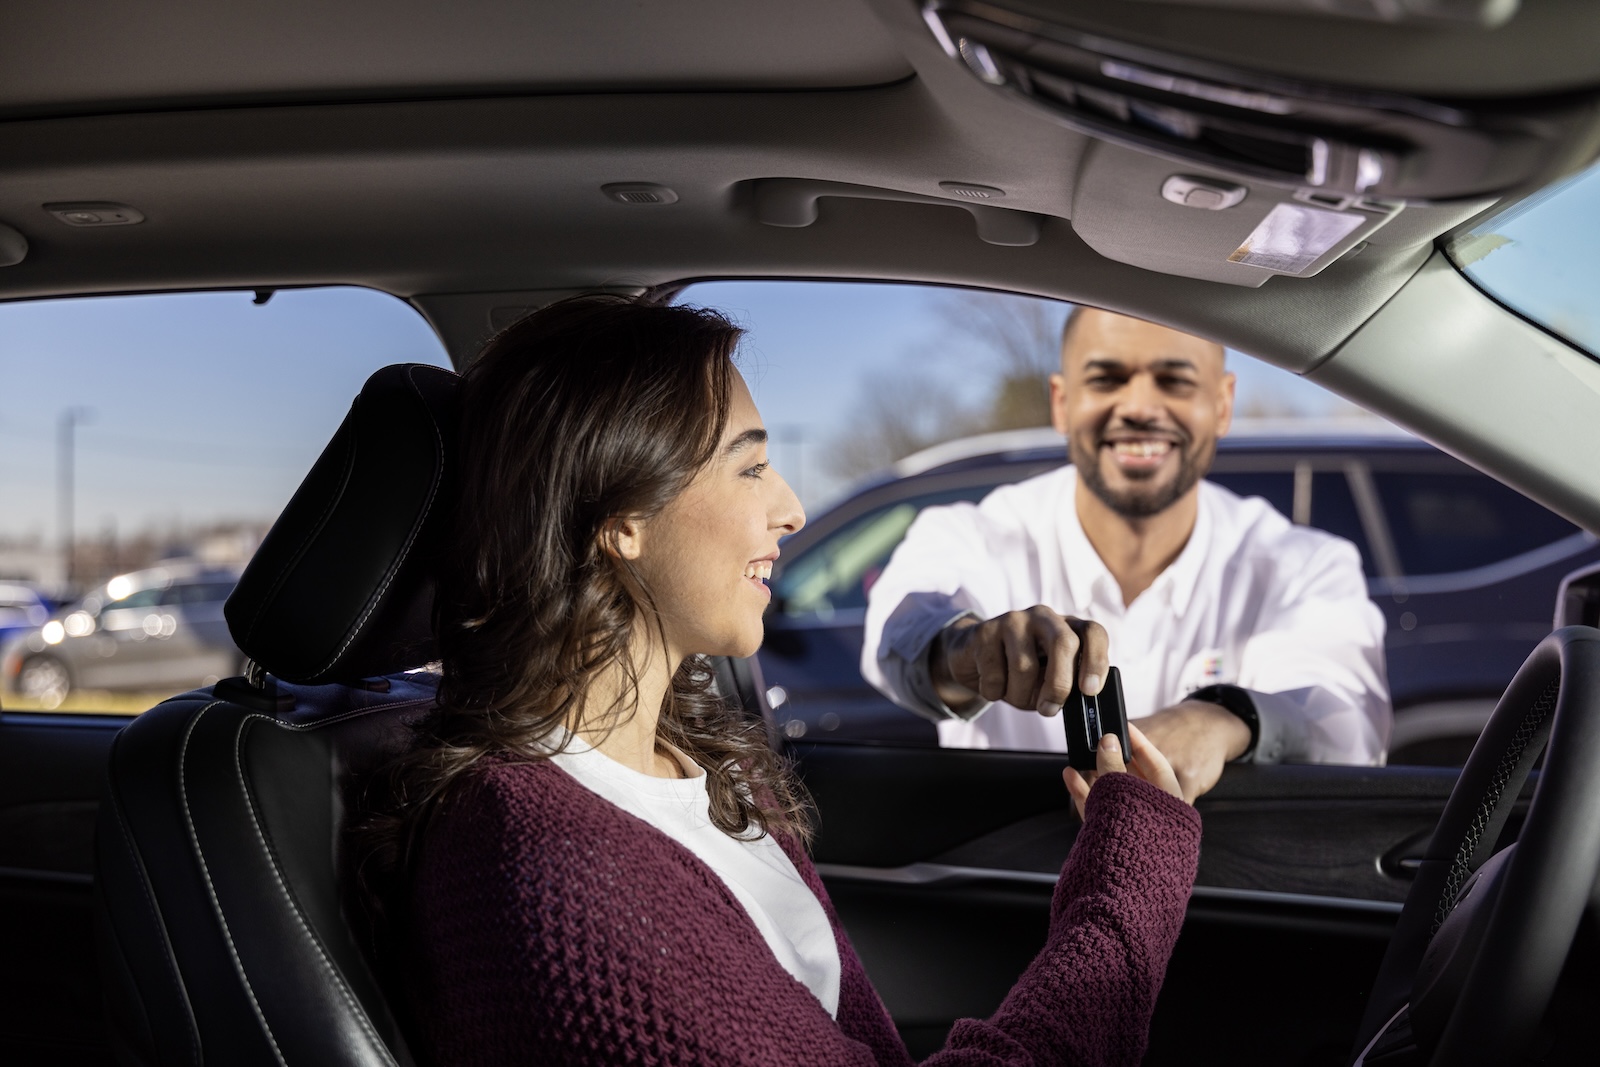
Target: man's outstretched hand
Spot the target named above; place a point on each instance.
(1025, 658)
(1199, 739)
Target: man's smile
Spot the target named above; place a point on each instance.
(1138, 454)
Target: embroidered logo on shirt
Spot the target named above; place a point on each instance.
(1204, 668)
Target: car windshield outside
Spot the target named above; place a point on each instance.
(149, 442)
(1539, 258)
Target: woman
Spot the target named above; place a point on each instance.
(590, 859)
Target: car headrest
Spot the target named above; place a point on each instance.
(342, 586)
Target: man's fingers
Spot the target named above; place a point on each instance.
(989, 656)
(1022, 663)
(1029, 658)
(1055, 636)
(1094, 655)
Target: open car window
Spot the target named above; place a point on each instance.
(883, 400)
(149, 442)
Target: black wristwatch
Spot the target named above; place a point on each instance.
(1237, 701)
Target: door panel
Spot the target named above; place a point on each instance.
(52, 774)
(942, 862)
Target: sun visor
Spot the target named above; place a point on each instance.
(1142, 209)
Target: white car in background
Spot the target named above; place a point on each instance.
(150, 630)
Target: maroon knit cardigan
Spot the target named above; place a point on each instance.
(550, 926)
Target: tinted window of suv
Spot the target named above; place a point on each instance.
(1458, 520)
(1275, 487)
(144, 598)
(203, 592)
(836, 573)
(1333, 508)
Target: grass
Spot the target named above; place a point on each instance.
(92, 702)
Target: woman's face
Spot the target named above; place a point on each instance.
(706, 556)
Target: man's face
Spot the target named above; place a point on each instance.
(1141, 407)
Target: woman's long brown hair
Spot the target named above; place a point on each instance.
(591, 409)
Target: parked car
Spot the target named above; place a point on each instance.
(152, 630)
(22, 607)
(1464, 569)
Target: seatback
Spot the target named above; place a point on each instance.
(222, 931)
(223, 934)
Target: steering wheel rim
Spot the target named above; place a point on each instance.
(1552, 705)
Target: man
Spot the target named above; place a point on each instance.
(1238, 635)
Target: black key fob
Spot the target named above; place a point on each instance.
(1086, 719)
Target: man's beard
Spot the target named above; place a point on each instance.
(1142, 503)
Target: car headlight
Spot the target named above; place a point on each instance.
(53, 632)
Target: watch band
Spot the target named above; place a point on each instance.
(1238, 702)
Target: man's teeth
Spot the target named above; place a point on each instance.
(761, 568)
(1142, 449)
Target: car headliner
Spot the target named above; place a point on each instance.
(453, 154)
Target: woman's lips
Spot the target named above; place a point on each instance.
(756, 572)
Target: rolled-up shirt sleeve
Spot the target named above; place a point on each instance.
(944, 569)
(1314, 666)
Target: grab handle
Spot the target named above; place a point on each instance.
(793, 202)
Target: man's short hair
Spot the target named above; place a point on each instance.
(1075, 317)
(1069, 326)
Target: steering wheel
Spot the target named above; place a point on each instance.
(1483, 938)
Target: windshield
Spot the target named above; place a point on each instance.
(1539, 258)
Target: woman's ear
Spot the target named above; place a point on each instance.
(623, 537)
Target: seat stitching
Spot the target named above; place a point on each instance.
(433, 492)
(294, 905)
(227, 934)
(168, 957)
(356, 713)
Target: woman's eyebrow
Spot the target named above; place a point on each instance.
(745, 440)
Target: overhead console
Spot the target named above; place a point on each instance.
(1273, 175)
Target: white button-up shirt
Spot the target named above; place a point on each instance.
(1252, 600)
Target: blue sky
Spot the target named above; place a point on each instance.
(1546, 265)
(204, 407)
(200, 406)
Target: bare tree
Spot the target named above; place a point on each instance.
(1004, 346)
(896, 415)
(1021, 335)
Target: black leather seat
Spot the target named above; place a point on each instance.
(223, 936)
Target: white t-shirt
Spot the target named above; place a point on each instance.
(757, 872)
(1252, 600)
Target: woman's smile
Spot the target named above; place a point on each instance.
(758, 572)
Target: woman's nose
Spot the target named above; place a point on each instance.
(786, 512)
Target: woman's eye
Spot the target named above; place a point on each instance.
(757, 471)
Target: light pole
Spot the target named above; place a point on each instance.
(66, 431)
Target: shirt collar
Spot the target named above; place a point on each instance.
(1087, 573)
